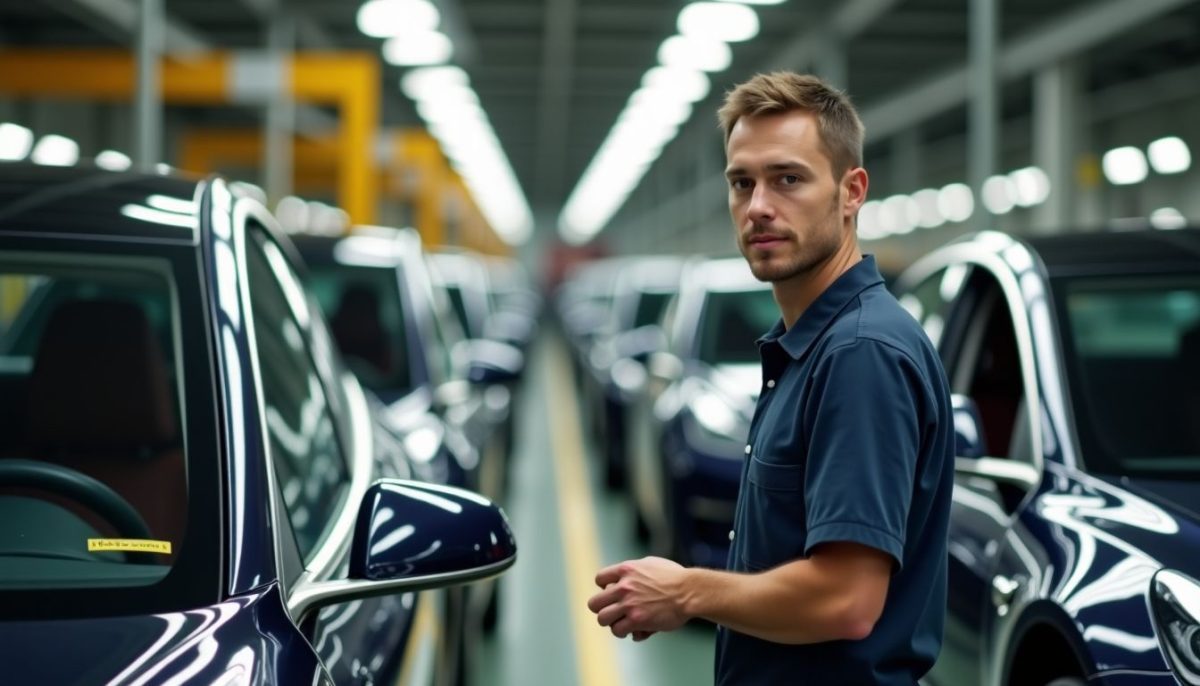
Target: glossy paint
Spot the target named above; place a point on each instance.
(247, 632)
(1058, 568)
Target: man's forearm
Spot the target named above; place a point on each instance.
(795, 603)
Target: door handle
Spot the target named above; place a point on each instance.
(1003, 590)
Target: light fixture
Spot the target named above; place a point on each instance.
(998, 194)
(1170, 155)
(388, 18)
(1124, 166)
(55, 151)
(899, 214)
(868, 225)
(1167, 218)
(418, 49)
(928, 214)
(956, 202)
(113, 160)
(689, 85)
(725, 22)
(754, 2)
(1030, 186)
(15, 141)
(688, 52)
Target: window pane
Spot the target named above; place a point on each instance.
(308, 460)
(731, 323)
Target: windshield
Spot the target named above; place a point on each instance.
(362, 305)
(732, 321)
(1133, 350)
(93, 472)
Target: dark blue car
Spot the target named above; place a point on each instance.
(1075, 529)
(193, 489)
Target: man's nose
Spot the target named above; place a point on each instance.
(760, 206)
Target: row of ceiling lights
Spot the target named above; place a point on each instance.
(17, 143)
(654, 113)
(450, 108)
(930, 208)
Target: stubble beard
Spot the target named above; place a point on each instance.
(820, 242)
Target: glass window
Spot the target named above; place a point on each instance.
(89, 385)
(367, 321)
(993, 362)
(1133, 352)
(929, 302)
(309, 463)
(650, 308)
(732, 322)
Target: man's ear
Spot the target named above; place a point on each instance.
(854, 190)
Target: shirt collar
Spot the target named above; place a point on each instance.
(797, 340)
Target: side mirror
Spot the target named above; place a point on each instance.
(492, 362)
(968, 428)
(414, 536)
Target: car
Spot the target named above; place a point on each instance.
(193, 488)
(1074, 543)
(691, 408)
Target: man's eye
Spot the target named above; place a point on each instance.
(740, 184)
(789, 179)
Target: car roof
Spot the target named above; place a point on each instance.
(1119, 251)
(86, 201)
(364, 246)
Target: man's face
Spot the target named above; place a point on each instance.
(786, 206)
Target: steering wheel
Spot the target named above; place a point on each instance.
(94, 494)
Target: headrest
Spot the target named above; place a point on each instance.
(99, 380)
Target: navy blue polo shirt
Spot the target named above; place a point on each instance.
(852, 440)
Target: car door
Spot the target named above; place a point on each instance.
(979, 344)
(310, 432)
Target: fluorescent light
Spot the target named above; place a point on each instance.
(999, 194)
(15, 141)
(869, 228)
(1167, 218)
(1170, 155)
(956, 202)
(113, 160)
(754, 2)
(687, 52)
(929, 216)
(389, 18)
(1030, 185)
(690, 85)
(1124, 166)
(426, 82)
(418, 49)
(718, 21)
(899, 214)
(55, 151)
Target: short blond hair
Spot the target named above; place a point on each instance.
(838, 124)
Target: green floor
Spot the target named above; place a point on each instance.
(535, 644)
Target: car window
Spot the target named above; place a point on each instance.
(309, 462)
(989, 372)
(368, 322)
(732, 321)
(929, 302)
(650, 307)
(89, 392)
(1132, 346)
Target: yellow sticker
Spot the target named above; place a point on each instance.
(128, 545)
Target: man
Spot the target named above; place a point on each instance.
(837, 569)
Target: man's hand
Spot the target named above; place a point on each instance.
(640, 597)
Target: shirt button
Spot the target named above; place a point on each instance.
(771, 383)
(731, 534)
(747, 448)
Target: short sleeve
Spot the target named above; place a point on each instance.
(862, 420)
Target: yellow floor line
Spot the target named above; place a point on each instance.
(595, 653)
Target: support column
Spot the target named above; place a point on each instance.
(983, 108)
(1057, 113)
(280, 122)
(148, 115)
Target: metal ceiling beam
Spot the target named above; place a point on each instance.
(1070, 34)
(122, 15)
(554, 103)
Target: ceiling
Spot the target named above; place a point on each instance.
(553, 74)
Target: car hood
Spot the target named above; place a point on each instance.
(1160, 518)
(239, 641)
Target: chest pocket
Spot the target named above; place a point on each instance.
(775, 523)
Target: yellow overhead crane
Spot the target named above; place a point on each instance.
(410, 166)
